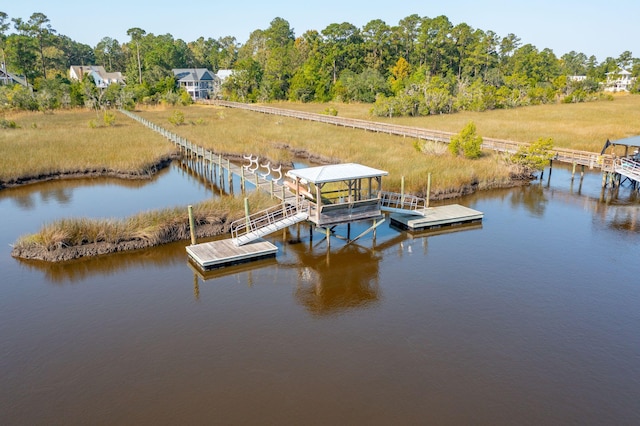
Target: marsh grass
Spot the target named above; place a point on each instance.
(62, 142)
(153, 227)
(244, 132)
(581, 126)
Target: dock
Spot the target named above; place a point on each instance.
(436, 217)
(220, 253)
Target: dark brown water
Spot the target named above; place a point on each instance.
(531, 318)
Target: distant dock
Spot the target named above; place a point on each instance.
(436, 217)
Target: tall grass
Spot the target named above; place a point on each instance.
(152, 227)
(244, 132)
(63, 142)
(582, 126)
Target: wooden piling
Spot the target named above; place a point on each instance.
(428, 195)
(192, 226)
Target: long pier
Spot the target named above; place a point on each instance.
(218, 167)
(570, 156)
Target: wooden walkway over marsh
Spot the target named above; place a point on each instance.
(570, 156)
(358, 200)
(217, 168)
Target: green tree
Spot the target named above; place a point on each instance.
(342, 49)
(376, 36)
(535, 156)
(39, 28)
(467, 142)
(399, 74)
(136, 35)
(278, 70)
(21, 55)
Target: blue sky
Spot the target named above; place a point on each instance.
(592, 27)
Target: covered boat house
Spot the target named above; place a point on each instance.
(339, 193)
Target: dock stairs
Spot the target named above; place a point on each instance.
(258, 225)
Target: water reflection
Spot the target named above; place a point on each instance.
(532, 198)
(330, 282)
(80, 270)
(61, 191)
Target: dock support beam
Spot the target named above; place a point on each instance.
(192, 226)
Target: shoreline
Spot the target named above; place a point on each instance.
(206, 227)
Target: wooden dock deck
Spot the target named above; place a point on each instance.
(220, 253)
(436, 217)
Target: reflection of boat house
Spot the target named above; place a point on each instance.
(339, 193)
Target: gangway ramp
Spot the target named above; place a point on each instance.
(246, 241)
(267, 221)
(628, 167)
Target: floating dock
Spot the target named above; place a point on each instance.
(216, 254)
(436, 217)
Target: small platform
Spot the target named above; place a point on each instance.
(436, 217)
(216, 254)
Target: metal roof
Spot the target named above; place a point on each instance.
(335, 173)
(631, 141)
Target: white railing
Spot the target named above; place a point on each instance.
(264, 218)
(394, 200)
(628, 168)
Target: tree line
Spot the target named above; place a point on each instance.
(420, 66)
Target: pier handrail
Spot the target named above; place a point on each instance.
(266, 217)
(627, 167)
(571, 156)
(395, 200)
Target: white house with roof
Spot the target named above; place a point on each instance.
(100, 76)
(619, 81)
(198, 82)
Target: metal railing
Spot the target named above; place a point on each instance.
(264, 218)
(395, 200)
(628, 168)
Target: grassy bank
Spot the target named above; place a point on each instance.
(583, 126)
(67, 239)
(244, 132)
(63, 143)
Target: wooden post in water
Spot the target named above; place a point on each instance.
(230, 175)
(242, 188)
(246, 214)
(328, 234)
(428, 190)
(573, 171)
(192, 226)
(402, 192)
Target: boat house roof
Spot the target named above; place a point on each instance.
(335, 173)
(631, 141)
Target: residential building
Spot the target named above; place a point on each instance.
(100, 76)
(7, 78)
(221, 75)
(198, 82)
(619, 81)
